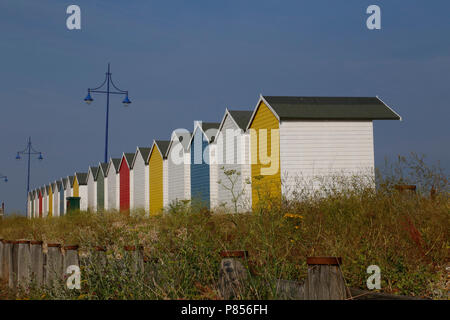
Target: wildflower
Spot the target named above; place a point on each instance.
(292, 215)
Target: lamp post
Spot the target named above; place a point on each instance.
(2, 207)
(28, 151)
(126, 101)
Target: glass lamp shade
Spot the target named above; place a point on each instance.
(88, 98)
(126, 102)
(40, 156)
(18, 157)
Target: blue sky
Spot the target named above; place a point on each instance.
(189, 60)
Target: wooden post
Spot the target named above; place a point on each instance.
(325, 280)
(290, 290)
(100, 256)
(151, 270)
(70, 257)
(234, 254)
(136, 256)
(53, 270)
(12, 279)
(37, 262)
(93, 260)
(1, 258)
(232, 274)
(7, 250)
(433, 193)
(405, 187)
(23, 263)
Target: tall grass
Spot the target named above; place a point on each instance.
(406, 235)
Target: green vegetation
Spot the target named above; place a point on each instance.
(406, 234)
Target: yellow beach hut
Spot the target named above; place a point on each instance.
(157, 175)
(303, 138)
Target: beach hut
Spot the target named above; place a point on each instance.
(131, 176)
(69, 193)
(67, 185)
(157, 174)
(301, 138)
(140, 178)
(92, 188)
(178, 167)
(124, 175)
(80, 189)
(101, 173)
(52, 196)
(230, 173)
(49, 200)
(202, 154)
(29, 204)
(60, 188)
(40, 202)
(35, 204)
(45, 201)
(55, 196)
(30, 213)
(112, 185)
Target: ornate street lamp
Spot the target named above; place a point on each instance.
(28, 151)
(126, 101)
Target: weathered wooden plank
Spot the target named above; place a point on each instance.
(54, 265)
(70, 257)
(12, 279)
(232, 275)
(37, 262)
(325, 280)
(23, 263)
(337, 284)
(134, 255)
(290, 290)
(1, 258)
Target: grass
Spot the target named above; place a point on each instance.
(406, 235)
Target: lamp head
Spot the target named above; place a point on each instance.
(126, 102)
(6, 179)
(18, 156)
(40, 156)
(88, 98)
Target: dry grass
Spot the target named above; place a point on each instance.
(406, 235)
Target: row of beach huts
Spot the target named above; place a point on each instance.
(232, 163)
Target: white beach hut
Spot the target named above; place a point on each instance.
(92, 188)
(179, 167)
(112, 185)
(230, 184)
(139, 180)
